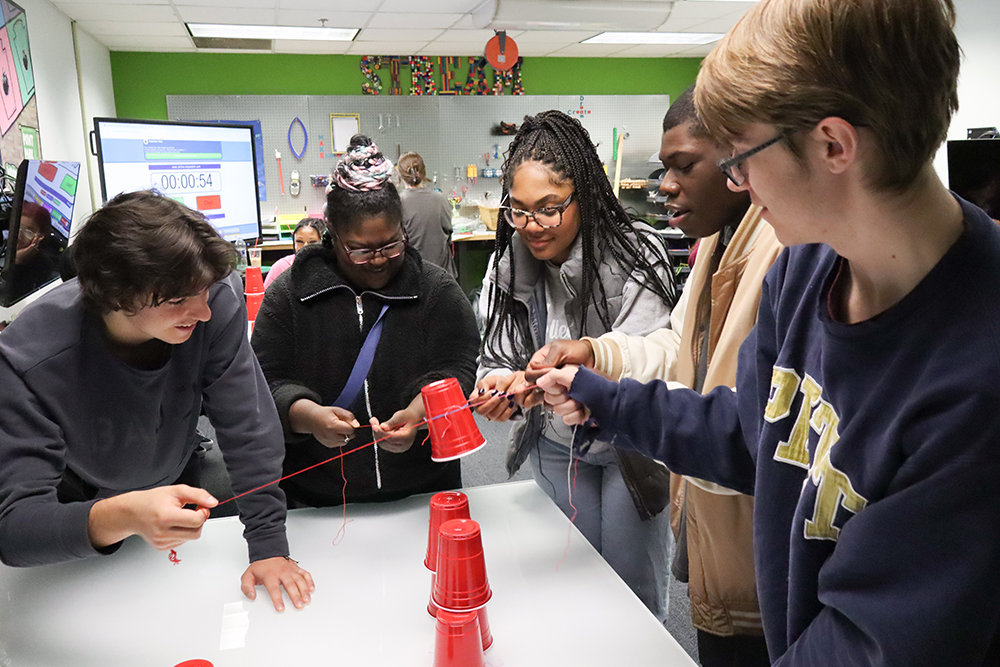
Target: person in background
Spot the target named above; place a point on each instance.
(311, 333)
(308, 230)
(569, 261)
(103, 381)
(35, 261)
(426, 214)
(717, 310)
(865, 419)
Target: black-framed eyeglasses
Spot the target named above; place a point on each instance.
(365, 255)
(731, 166)
(548, 216)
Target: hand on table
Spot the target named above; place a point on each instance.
(557, 354)
(556, 384)
(156, 515)
(277, 573)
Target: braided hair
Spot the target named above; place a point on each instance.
(360, 188)
(561, 143)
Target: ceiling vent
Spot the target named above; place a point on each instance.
(243, 43)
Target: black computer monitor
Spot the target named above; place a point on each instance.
(974, 172)
(39, 213)
(208, 167)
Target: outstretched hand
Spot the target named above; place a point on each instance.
(557, 354)
(156, 515)
(497, 397)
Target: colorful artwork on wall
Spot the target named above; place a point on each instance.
(18, 109)
(436, 76)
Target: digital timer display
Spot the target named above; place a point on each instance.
(179, 182)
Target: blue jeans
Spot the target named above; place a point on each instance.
(639, 551)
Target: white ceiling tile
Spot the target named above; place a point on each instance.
(145, 43)
(433, 7)
(227, 15)
(392, 35)
(255, 4)
(680, 25)
(144, 28)
(716, 25)
(556, 36)
(693, 9)
(699, 51)
(395, 20)
(309, 46)
(104, 12)
(537, 50)
(469, 36)
(386, 48)
(450, 49)
(309, 17)
(652, 50)
(588, 50)
(330, 6)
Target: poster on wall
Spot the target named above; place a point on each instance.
(18, 110)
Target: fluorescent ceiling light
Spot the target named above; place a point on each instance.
(654, 38)
(271, 32)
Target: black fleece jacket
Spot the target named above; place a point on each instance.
(307, 339)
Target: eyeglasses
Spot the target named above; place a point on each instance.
(731, 166)
(549, 216)
(365, 255)
(27, 234)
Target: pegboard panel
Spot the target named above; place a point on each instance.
(449, 132)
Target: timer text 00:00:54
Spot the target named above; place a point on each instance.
(187, 181)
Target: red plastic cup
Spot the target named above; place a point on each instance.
(460, 583)
(444, 506)
(254, 280)
(432, 608)
(194, 663)
(484, 628)
(253, 306)
(454, 433)
(458, 642)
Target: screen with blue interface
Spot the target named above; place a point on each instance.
(209, 168)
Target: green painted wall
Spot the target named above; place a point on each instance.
(143, 80)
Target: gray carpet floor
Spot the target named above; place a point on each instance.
(484, 467)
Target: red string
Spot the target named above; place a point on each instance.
(468, 404)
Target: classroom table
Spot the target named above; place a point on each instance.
(555, 601)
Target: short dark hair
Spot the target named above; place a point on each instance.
(142, 249)
(361, 187)
(682, 111)
(312, 223)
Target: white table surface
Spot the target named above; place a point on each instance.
(551, 605)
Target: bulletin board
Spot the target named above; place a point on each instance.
(19, 137)
(449, 132)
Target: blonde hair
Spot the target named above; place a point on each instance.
(888, 65)
(412, 169)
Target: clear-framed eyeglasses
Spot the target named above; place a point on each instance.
(732, 166)
(365, 255)
(548, 216)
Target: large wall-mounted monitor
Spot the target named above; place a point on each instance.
(974, 172)
(211, 168)
(37, 215)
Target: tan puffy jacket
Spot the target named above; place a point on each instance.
(722, 586)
